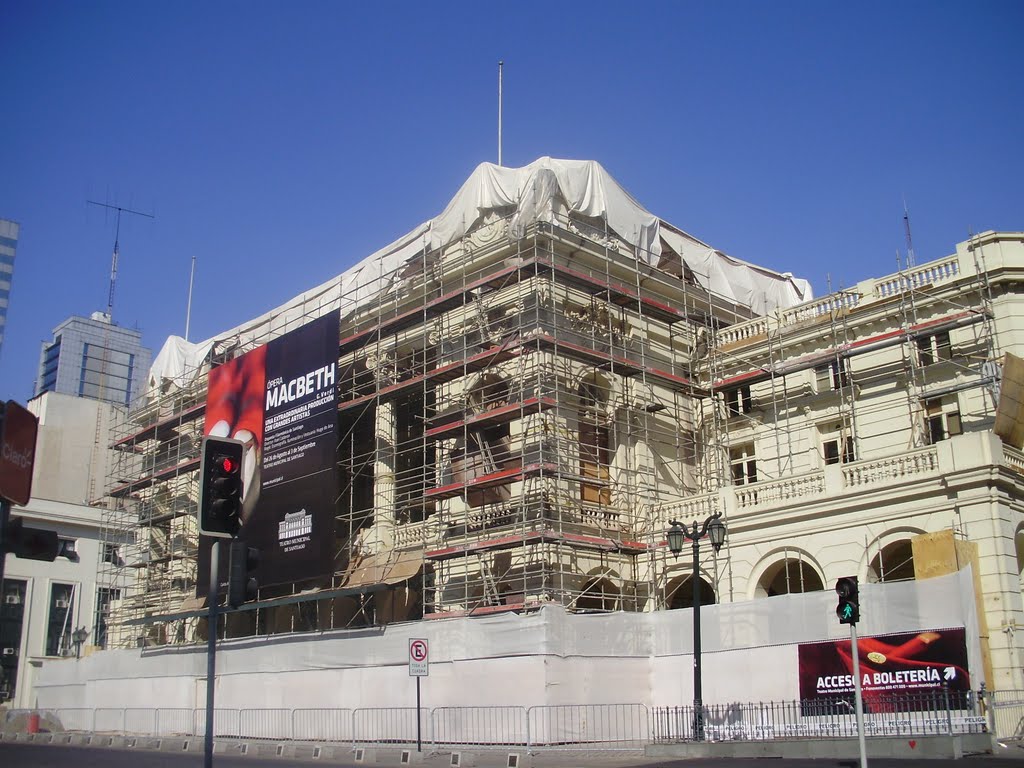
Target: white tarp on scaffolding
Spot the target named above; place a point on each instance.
(548, 657)
(738, 281)
(545, 190)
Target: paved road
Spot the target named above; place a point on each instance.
(49, 756)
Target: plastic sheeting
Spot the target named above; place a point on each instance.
(739, 281)
(545, 657)
(541, 191)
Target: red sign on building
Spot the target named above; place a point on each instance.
(17, 452)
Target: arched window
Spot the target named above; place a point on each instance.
(599, 594)
(1018, 543)
(595, 442)
(679, 592)
(490, 392)
(894, 563)
(789, 576)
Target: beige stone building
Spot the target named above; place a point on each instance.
(533, 384)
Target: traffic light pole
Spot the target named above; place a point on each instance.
(858, 697)
(5, 520)
(212, 598)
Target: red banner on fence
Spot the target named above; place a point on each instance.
(890, 665)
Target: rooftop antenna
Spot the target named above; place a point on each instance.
(188, 310)
(500, 65)
(117, 248)
(906, 232)
(102, 392)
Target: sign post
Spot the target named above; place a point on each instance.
(419, 666)
(858, 697)
(212, 598)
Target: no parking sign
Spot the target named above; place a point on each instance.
(418, 657)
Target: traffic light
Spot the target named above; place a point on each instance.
(848, 609)
(242, 584)
(220, 492)
(30, 543)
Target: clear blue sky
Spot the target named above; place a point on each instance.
(281, 142)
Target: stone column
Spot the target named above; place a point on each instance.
(384, 478)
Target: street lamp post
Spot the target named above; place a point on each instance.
(714, 529)
(78, 637)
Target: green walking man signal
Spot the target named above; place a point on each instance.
(848, 608)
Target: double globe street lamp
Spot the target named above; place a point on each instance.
(714, 529)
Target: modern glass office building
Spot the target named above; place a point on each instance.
(8, 245)
(92, 357)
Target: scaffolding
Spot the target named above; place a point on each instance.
(512, 412)
(812, 381)
(520, 412)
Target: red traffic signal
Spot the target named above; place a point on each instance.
(220, 490)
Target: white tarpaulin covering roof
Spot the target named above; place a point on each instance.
(540, 191)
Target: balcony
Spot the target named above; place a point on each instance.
(933, 465)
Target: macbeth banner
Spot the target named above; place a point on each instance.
(891, 666)
(280, 400)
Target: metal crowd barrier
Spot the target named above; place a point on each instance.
(932, 713)
(590, 727)
(480, 726)
(389, 725)
(331, 725)
(1006, 714)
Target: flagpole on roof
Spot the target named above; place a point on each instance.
(500, 65)
(188, 310)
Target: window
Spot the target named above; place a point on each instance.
(51, 360)
(942, 419)
(738, 400)
(104, 595)
(834, 376)
(932, 349)
(106, 374)
(112, 554)
(484, 452)
(837, 444)
(12, 616)
(743, 464)
(67, 548)
(595, 444)
(58, 625)
(414, 456)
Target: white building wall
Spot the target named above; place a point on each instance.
(546, 657)
(65, 457)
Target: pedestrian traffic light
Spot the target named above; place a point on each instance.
(220, 492)
(242, 584)
(848, 609)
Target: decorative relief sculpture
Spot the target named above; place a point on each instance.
(594, 319)
(383, 366)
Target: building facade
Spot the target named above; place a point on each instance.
(8, 246)
(535, 383)
(92, 357)
(45, 603)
